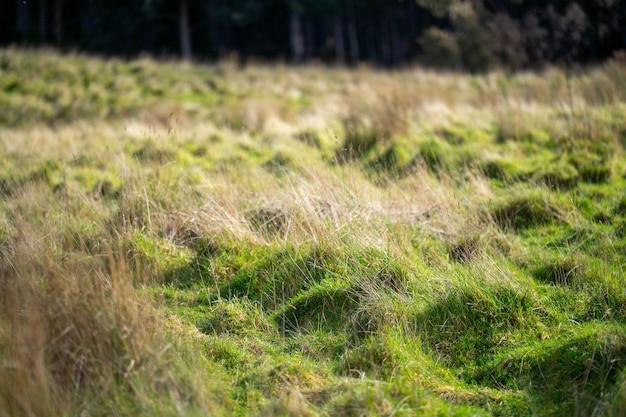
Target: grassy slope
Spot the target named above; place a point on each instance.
(181, 239)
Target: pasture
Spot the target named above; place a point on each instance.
(181, 239)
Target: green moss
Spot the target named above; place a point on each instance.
(374, 358)
(526, 134)
(356, 144)
(526, 211)
(268, 221)
(564, 375)
(558, 175)
(620, 207)
(273, 275)
(595, 174)
(153, 252)
(328, 306)
(99, 182)
(311, 138)
(501, 169)
(196, 149)
(234, 317)
(465, 249)
(471, 324)
(459, 134)
(10, 84)
(357, 397)
(435, 155)
(278, 163)
(227, 352)
(591, 158)
(49, 171)
(151, 152)
(568, 270)
(395, 160)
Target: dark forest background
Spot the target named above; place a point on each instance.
(473, 35)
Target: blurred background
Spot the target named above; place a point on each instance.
(473, 35)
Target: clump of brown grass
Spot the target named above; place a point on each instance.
(69, 325)
(73, 324)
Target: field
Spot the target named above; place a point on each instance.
(182, 239)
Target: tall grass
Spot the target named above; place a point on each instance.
(76, 335)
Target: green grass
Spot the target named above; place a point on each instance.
(204, 240)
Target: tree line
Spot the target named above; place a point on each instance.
(473, 35)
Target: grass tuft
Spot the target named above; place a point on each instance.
(527, 211)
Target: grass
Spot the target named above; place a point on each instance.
(184, 239)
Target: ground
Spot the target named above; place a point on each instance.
(183, 239)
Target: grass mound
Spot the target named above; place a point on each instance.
(328, 307)
(562, 271)
(465, 249)
(528, 210)
(468, 325)
(564, 374)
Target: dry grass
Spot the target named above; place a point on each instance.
(75, 334)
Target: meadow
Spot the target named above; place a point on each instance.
(181, 239)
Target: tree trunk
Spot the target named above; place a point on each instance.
(309, 39)
(412, 28)
(396, 42)
(58, 22)
(297, 40)
(22, 19)
(213, 34)
(370, 40)
(353, 38)
(43, 28)
(340, 49)
(384, 42)
(185, 32)
(227, 42)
